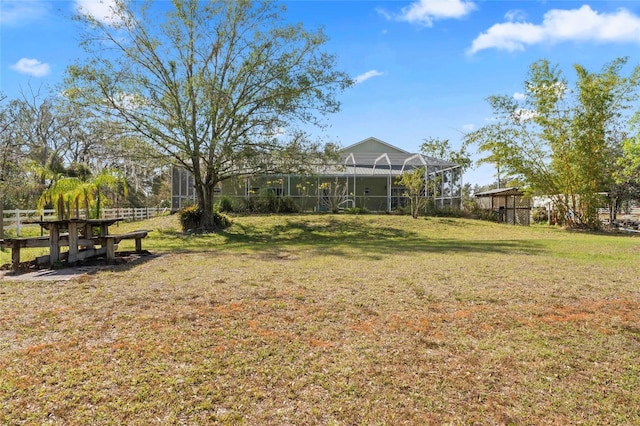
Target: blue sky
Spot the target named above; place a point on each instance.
(424, 68)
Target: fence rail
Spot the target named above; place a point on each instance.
(633, 211)
(15, 219)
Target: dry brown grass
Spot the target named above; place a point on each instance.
(334, 320)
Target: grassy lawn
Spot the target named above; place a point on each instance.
(335, 320)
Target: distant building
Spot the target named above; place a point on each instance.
(364, 176)
(509, 205)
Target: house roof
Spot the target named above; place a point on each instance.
(375, 154)
(373, 157)
(373, 145)
(514, 190)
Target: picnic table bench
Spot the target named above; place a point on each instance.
(80, 239)
(109, 242)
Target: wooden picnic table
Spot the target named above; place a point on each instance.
(80, 235)
(76, 230)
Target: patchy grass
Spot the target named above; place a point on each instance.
(334, 320)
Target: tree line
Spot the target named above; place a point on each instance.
(49, 142)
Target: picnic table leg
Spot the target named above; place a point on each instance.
(73, 243)
(15, 255)
(138, 245)
(111, 251)
(54, 244)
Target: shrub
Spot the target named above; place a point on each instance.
(221, 221)
(287, 205)
(191, 217)
(445, 212)
(225, 205)
(356, 210)
(539, 215)
(403, 210)
(267, 202)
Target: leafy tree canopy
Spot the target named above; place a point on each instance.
(223, 88)
(414, 183)
(441, 149)
(563, 142)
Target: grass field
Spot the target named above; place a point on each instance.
(334, 320)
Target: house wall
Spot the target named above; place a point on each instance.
(377, 192)
(313, 193)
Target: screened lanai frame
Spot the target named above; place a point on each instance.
(358, 179)
(443, 179)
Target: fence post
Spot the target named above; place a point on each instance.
(17, 222)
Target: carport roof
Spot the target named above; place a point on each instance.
(514, 190)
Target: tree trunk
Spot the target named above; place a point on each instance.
(1, 219)
(205, 203)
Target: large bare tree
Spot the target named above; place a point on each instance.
(224, 88)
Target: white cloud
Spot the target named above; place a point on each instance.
(519, 96)
(367, 75)
(468, 127)
(515, 16)
(101, 10)
(424, 12)
(556, 89)
(583, 24)
(31, 67)
(14, 12)
(129, 101)
(523, 114)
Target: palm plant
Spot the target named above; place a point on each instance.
(108, 180)
(60, 196)
(69, 193)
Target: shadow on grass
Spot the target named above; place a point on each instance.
(346, 238)
(125, 260)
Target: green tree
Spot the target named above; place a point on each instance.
(414, 184)
(223, 88)
(441, 149)
(60, 195)
(69, 194)
(629, 161)
(631, 158)
(560, 142)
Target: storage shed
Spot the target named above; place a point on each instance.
(509, 205)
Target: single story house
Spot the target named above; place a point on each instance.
(364, 176)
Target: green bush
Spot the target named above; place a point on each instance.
(539, 215)
(221, 221)
(403, 210)
(191, 218)
(267, 202)
(445, 212)
(225, 205)
(287, 205)
(356, 210)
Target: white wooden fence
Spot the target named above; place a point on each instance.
(15, 219)
(634, 211)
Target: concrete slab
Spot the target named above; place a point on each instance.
(124, 259)
(64, 274)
